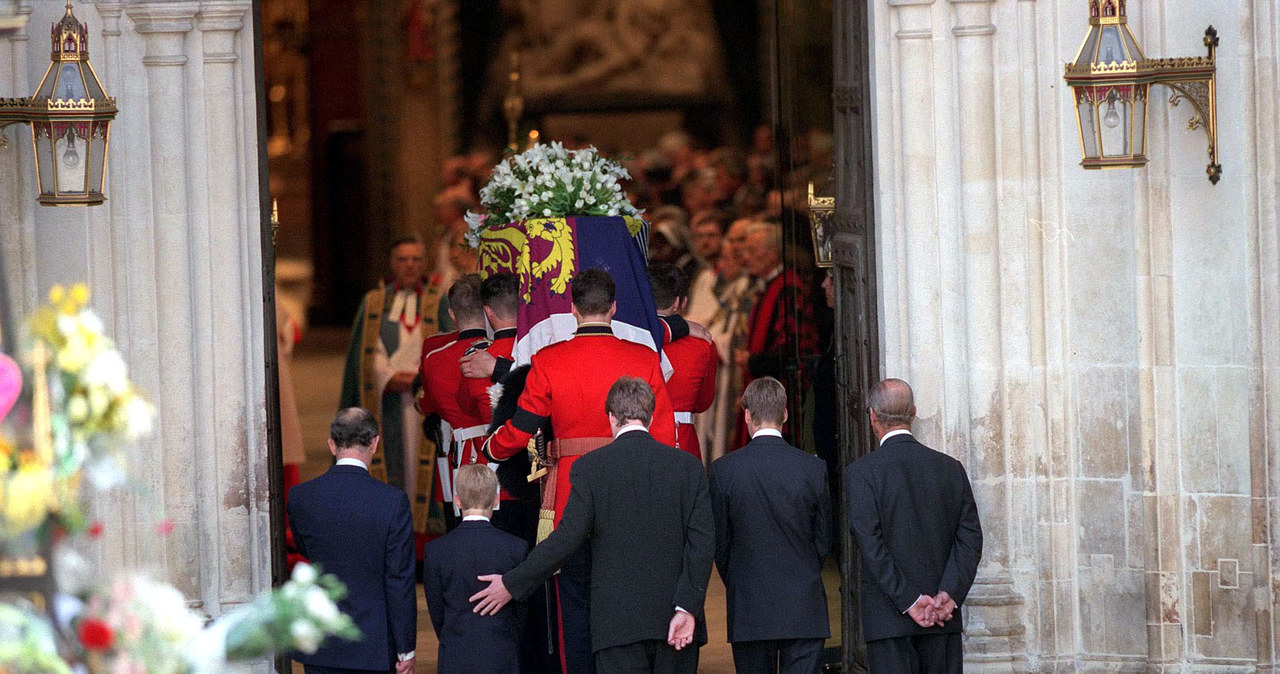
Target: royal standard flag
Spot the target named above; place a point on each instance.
(545, 253)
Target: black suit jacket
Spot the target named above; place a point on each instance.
(773, 533)
(911, 509)
(470, 642)
(644, 507)
(360, 530)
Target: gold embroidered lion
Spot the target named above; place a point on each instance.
(507, 249)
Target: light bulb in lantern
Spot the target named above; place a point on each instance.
(71, 158)
(1112, 118)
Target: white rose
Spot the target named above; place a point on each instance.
(304, 574)
(90, 321)
(306, 636)
(320, 607)
(67, 325)
(108, 370)
(138, 417)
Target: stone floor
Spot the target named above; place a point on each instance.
(317, 371)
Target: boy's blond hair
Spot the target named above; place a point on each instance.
(476, 485)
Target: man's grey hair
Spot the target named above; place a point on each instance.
(771, 230)
(353, 427)
(893, 402)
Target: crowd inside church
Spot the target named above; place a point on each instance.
(430, 391)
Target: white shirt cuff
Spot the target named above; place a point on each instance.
(682, 610)
(401, 657)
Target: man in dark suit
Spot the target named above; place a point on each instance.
(912, 512)
(360, 530)
(643, 508)
(773, 532)
(452, 565)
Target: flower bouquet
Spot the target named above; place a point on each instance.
(550, 212)
(79, 417)
(297, 616)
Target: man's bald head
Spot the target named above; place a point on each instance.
(893, 403)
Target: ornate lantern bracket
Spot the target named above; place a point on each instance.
(1195, 80)
(1111, 79)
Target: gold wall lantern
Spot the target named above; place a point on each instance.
(822, 216)
(1111, 79)
(70, 116)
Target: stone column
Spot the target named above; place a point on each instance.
(994, 621)
(1262, 78)
(117, 177)
(227, 510)
(17, 178)
(164, 28)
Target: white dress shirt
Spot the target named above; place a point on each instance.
(351, 462)
(766, 431)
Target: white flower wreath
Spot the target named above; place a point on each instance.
(548, 181)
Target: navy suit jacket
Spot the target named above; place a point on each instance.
(912, 512)
(360, 530)
(773, 533)
(470, 642)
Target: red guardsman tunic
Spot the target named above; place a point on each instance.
(568, 383)
(473, 397)
(692, 385)
(441, 381)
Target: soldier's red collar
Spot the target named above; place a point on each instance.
(504, 333)
(472, 333)
(594, 329)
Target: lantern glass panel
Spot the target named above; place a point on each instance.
(1089, 48)
(1088, 115)
(1116, 113)
(97, 156)
(71, 157)
(1111, 47)
(1140, 124)
(70, 83)
(40, 134)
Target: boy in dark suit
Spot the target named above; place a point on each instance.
(470, 642)
(360, 530)
(773, 533)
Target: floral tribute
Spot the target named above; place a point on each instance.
(79, 417)
(548, 181)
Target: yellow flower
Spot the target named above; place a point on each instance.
(80, 294)
(77, 408)
(27, 499)
(57, 294)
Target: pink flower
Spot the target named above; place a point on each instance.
(165, 527)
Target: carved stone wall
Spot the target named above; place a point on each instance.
(648, 49)
(1098, 347)
(174, 263)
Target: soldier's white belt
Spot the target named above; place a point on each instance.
(684, 417)
(462, 435)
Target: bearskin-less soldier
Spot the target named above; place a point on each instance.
(694, 361)
(567, 385)
(441, 379)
